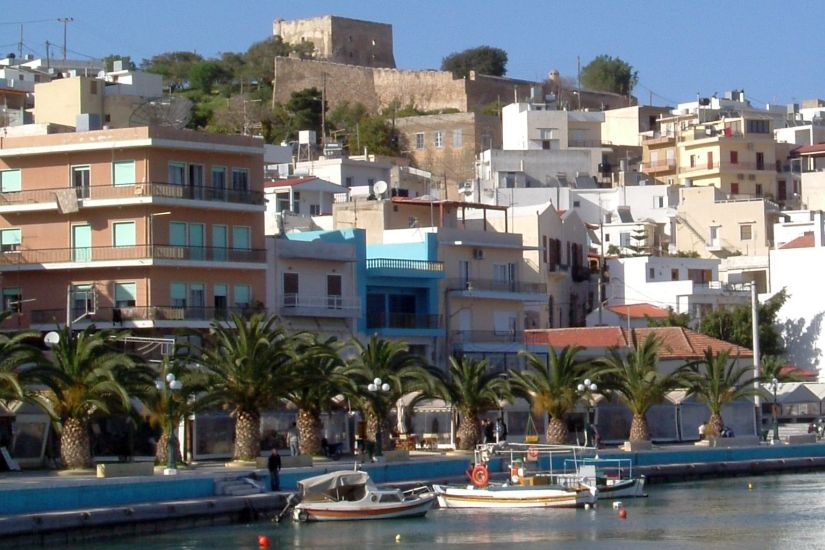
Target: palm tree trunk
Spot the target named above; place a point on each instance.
(638, 428)
(556, 431)
(161, 450)
(372, 430)
(714, 426)
(309, 432)
(247, 435)
(75, 445)
(469, 432)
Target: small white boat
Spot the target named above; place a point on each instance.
(347, 495)
(523, 488)
(612, 476)
(514, 496)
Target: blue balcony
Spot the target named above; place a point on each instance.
(396, 267)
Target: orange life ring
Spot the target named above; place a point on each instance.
(480, 476)
(532, 453)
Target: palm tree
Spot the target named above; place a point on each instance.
(551, 388)
(472, 389)
(391, 361)
(87, 376)
(635, 379)
(248, 370)
(774, 366)
(716, 381)
(20, 363)
(316, 363)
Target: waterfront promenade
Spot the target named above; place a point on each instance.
(43, 507)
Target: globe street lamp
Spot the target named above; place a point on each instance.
(376, 387)
(168, 388)
(774, 419)
(585, 390)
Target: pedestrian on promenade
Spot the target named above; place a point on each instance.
(292, 440)
(274, 467)
(501, 430)
(702, 428)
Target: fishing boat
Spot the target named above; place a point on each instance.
(348, 495)
(613, 477)
(524, 487)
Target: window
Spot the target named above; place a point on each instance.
(758, 126)
(9, 240)
(700, 276)
(123, 234)
(177, 173)
(760, 161)
(177, 234)
(464, 271)
(348, 181)
(125, 294)
(196, 180)
(438, 139)
(12, 300)
(674, 274)
(334, 287)
(93, 87)
(651, 273)
(758, 190)
(734, 188)
(419, 140)
(734, 157)
(624, 239)
(240, 179)
(123, 172)
(291, 289)
(314, 209)
(576, 204)
(240, 238)
(242, 296)
(658, 202)
(219, 243)
(218, 177)
(177, 293)
(745, 232)
(458, 139)
(692, 161)
(81, 181)
(10, 181)
(219, 298)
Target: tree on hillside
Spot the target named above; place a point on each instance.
(173, 66)
(205, 75)
(734, 325)
(673, 319)
(609, 74)
(361, 129)
(109, 62)
(482, 60)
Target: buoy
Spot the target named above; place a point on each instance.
(623, 513)
(263, 541)
(750, 486)
(398, 538)
(587, 506)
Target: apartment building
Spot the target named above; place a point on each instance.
(143, 228)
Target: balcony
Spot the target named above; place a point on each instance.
(393, 267)
(413, 321)
(26, 260)
(46, 199)
(141, 315)
(473, 286)
(313, 305)
(659, 139)
(658, 166)
(486, 336)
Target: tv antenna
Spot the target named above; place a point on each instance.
(379, 188)
(170, 111)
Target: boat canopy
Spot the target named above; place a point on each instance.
(334, 483)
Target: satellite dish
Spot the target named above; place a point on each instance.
(380, 187)
(171, 111)
(51, 338)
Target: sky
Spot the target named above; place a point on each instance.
(680, 50)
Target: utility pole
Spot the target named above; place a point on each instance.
(20, 45)
(324, 111)
(65, 21)
(48, 59)
(579, 80)
(756, 352)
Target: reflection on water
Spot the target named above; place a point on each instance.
(780, 512)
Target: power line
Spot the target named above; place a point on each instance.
(26, 22)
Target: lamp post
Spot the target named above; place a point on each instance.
(585, 390)
(774, 419)
(168, 387)
(376, 387)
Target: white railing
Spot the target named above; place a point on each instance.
(322, 302)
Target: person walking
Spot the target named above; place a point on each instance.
(500, 430)
(292, 440)
(702, 428)
(489, 436)
(274, 467)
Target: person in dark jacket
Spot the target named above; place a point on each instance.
(274, 467)
(489, 436)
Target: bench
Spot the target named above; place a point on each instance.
(125, 469)
(799, 439)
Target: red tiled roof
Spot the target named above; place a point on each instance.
(810, 149)
(677, 342)
(639, 311)
(805, 240)
(289, 182)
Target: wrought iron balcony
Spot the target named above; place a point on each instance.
(491, 285)
(320, 306)
(119, 315)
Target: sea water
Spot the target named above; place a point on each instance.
(784, 511)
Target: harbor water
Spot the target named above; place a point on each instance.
(783, 511)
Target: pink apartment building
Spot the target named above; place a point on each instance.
(142, 228)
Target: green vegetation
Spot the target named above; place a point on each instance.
(482, 60)
(734, 325)
(609, 74)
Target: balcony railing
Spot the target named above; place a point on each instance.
(331, 302)
(24, 256)
(492, 285)
(409, 265)
(486, 336)
(403, 321)
(153, 190)
(658, 166)
(142, 313)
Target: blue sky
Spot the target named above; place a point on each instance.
(769, 49)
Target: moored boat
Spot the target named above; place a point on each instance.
(613, 477)
(348, 495)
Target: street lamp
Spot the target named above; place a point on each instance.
(168, 389)
(585, 390)
(774, 419)
(376, 387)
